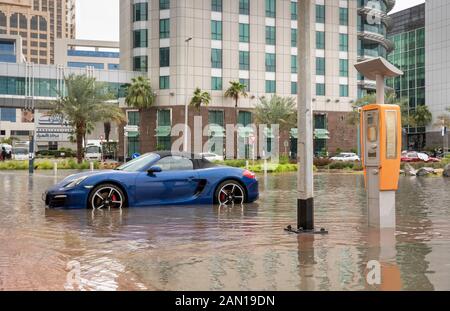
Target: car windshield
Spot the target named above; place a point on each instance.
(93, 149)
(138, 164)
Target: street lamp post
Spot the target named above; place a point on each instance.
(305, 178)
(186, 111)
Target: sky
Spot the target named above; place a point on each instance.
(99, 19)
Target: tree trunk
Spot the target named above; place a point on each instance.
(79, 146)
(107, 128)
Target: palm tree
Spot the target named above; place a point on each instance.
(140, 95)
(85, 104)
(235, 91)
(200, 98)
(443, 119)
(277, 110)
(422, 117)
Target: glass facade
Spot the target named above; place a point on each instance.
(86, 64)
(271, 64)
(409, 56)
(216, 141)
(320, 13)
(164, 82)
(216, 5)
(164, 4)
(320, 40)
(47, 87)
(270, 8)
(133, 140)
(164, 57)
(271, 86)
(7, 51)
(102, 54)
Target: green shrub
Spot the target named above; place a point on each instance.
(341, 165)
(321, 162)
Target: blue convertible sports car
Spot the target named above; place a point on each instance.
(159, 178)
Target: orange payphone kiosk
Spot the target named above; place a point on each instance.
(381, 142)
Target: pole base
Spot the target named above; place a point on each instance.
(301, 231)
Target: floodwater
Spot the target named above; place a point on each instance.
(240, 248)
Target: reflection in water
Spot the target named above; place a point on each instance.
(226, 248)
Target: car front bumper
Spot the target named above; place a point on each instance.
(69, 199)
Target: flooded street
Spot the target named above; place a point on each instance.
(212, 248)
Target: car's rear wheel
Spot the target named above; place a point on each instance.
(229, 192)
(106, 196)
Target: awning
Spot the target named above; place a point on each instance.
(321, 134)
(268, 133)
(132, 134)
(245, 132)
(216, 131)
(163, 131)
(294, 133)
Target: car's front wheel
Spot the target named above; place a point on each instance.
(106, 196)
(229, 192)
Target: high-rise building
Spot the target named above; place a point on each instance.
(373, 25)
(252, 41)
(437, 67)
(39, 23)
(408, 34)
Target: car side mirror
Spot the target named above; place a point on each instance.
(154, 169)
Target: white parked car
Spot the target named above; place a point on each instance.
(211, 156)
(346, 157)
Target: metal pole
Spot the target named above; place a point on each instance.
(186, 111)
(305, 178)
(380, 89)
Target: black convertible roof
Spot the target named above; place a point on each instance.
(199, 161)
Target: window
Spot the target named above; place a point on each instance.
(133, 118)
(270, 8)
(164, 28)
(140, 63)
(164, 57)
(245, 118)
(320, 89)
(293, 88)
(244, 32)
(164, 82)
(270, 62)
(140, 12)
(164, 4)
(8, 114)
(244, 60)
(343, 42)
(293, 64)
(320, 13)
(85, 64)
(113, 66)
(163, 140)
(216, 58)
(216, 83)
(216, 30)
(320, 66)
(343, 67)
(244, 7)
(271, 86)
(343, 16)
(294, 14)
(175, 163)
(216, 5)
(140, 38)
(294, 37)
(246, 82)
(271, 35)
(133, 145)
(320, 40)
(343, 90)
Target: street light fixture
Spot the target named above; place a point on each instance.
(185, 144)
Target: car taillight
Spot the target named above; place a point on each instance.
(249, 174)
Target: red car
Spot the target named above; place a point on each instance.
(413, 156)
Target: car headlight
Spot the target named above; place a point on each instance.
(75, 182)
